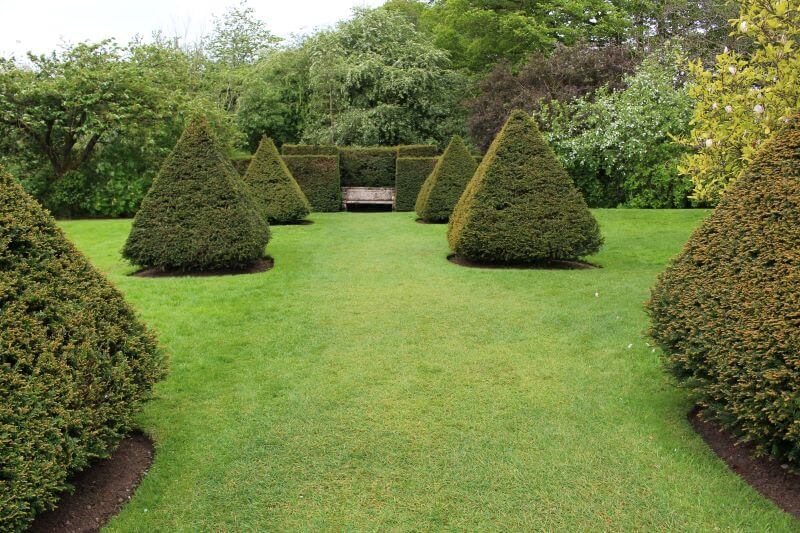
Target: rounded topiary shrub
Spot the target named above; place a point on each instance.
(521, 205)
(276, 193)
(442, 189)
(197, 215)
(75, 363)
(726, 313)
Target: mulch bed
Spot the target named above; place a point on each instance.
(298, 223)
(765, 475)
(101, 490)
(262, 265)
(552, 264)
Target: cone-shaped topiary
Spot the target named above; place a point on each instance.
(442, 189)
(276, 193)
(727, 311)
(75, 363)
(521, 205)
(197, 215)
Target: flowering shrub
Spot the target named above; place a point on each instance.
(620, 148)
(745, 97)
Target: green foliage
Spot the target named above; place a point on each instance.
(88, 127)
(443, 187)
(240, 162)
(417, 150)
(75, 363)
(410, 174)
(197, 215)
(319, 178)
(726, 310)
(274, 97)
(309, 149)
(375, 80)
(619, 147)
(521, 205)
(744, 97)
(478, 34)
(368, 167)
(275, 192)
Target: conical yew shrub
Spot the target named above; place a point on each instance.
(726, 312)
(276, 193)
(197, 215)
(521, 205)
(442, 189)
(75, 363)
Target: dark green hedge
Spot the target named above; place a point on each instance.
(318, 177)
(197, 215)
(410, 174)
(443, 187)
(368, 167)
(726, 313)
(240, 163)
(309, 149)
(75, 363)
(521, 205)
(275, 192)
(417, 150)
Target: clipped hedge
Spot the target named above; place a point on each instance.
(197, 215)
(417, 150)
(309, 149)
(368, 167)
(726, 313)
(75, 363)
(240, 163)
(277, 195)
(318, 177)
(521, 205)
(443, 187)
(410, 174)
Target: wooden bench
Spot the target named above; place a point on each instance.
(368, 196)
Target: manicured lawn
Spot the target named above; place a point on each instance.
(366, 383)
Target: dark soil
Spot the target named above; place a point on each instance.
(423, 221)
(262, 265)
(551, 264)
(766, 475)
(297, 223)
(101, 490)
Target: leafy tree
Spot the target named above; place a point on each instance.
(376, 80)
(620, 147)
(275, 97)
(64, 106)
(480, 33)
(238, 41)
(239, 38)
(569, 72)
(112, 114)
(745, 96)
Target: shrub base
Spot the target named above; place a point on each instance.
(548, 264)
(262, 265)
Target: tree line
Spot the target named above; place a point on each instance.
(626, 92)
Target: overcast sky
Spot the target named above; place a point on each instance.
(41, 26)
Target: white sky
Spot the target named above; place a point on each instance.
(42, 25)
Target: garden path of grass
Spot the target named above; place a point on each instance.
(367, 383)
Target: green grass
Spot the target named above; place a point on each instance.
(366, 383)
